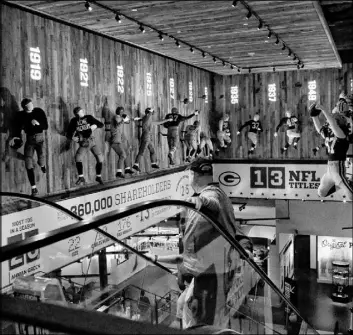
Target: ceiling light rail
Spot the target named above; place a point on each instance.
(271, 33)
(142, 27)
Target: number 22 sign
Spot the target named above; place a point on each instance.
(267, 177)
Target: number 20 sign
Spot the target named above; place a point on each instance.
(267, 177)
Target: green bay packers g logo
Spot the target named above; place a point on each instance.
(229, 178)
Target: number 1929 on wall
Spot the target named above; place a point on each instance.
(267, 177)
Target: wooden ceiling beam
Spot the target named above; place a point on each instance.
(327, 30)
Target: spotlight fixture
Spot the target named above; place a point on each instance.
(203, 54)
(295, 57)
(277, 41)
(234, 3)
(232, 67)
(224, 64)
(298, 66)
(249, 70)
(177, 43)
(284, 47)
(192, 50)
(269, 34)
(142, 29)
(239, 69)
(274, 69)
(248, 16)
(289, 53)
(260, 26)
(88, 6)
(302, 66)
(214, 60)
(161, 36)
(117, 18)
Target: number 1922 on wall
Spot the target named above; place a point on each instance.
(267, 177)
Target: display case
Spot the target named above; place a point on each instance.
(340, 281)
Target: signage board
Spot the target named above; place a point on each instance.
(272, 181)
(23, 224)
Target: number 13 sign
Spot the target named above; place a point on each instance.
(267, 177)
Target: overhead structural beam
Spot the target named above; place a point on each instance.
(323, 21)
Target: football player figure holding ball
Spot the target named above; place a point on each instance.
(255, 128)
(293, 130)
(335, 133)
(223, 132)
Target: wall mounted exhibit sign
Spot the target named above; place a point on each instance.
(332, 249)
(273, 180)
(20, 225)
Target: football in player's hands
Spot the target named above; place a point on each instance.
(136, 118)
(275, 134)
(314, 110)
(197, 112)
(238, 132)
(93, 127)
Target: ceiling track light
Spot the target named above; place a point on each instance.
(224, 64)
(277, 41)
(142, 29)
(274, 69)
(177, 43)
(269, 34)
(248, 16)
(192, 50)
(289, 53)
(260, 26)
(88, 6)
(284, 47)
(117, 18)
(232, 67)
(298, 66)
(203, 54)
(302, 66)
(249, 70)
(234, 3)
(239, 69)
(214, 60)
(295, 57)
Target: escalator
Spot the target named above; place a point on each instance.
(228, 290)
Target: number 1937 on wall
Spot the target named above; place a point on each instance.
(267, 177)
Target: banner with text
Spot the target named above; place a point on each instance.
(332, 249)
(20, 225)
(272, 181)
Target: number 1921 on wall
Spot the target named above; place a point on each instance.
(267, 177)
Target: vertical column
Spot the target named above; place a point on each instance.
(103, 269)
(274, 272)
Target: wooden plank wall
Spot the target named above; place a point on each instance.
(59, 91)
(292, 94)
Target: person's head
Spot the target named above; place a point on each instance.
(149, 110)
(256, 117)
(27, 105)
(79, 112)
(288, 114)
(226, 117)
(196, 123)
(200, 173)
(174, 110)
(341, 107)
(119, 111)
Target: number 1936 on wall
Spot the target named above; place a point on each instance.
(267, 177)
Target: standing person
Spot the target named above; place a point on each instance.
(174, 119)
(255, 128)
(196, 305)
(146, 139)
(293, 130)
(34, 122)
(335, 133)
(80, 130)
(192, 139)
(205, 142)
(119, 142)
(223, 132)
(144, 306)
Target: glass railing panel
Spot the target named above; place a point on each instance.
(190, 273)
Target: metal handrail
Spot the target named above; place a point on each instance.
(38, 241)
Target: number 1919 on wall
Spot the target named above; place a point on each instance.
(267, 177)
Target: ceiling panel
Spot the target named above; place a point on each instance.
(214, 27)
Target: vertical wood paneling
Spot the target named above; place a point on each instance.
(59, 92)
(253, 97)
